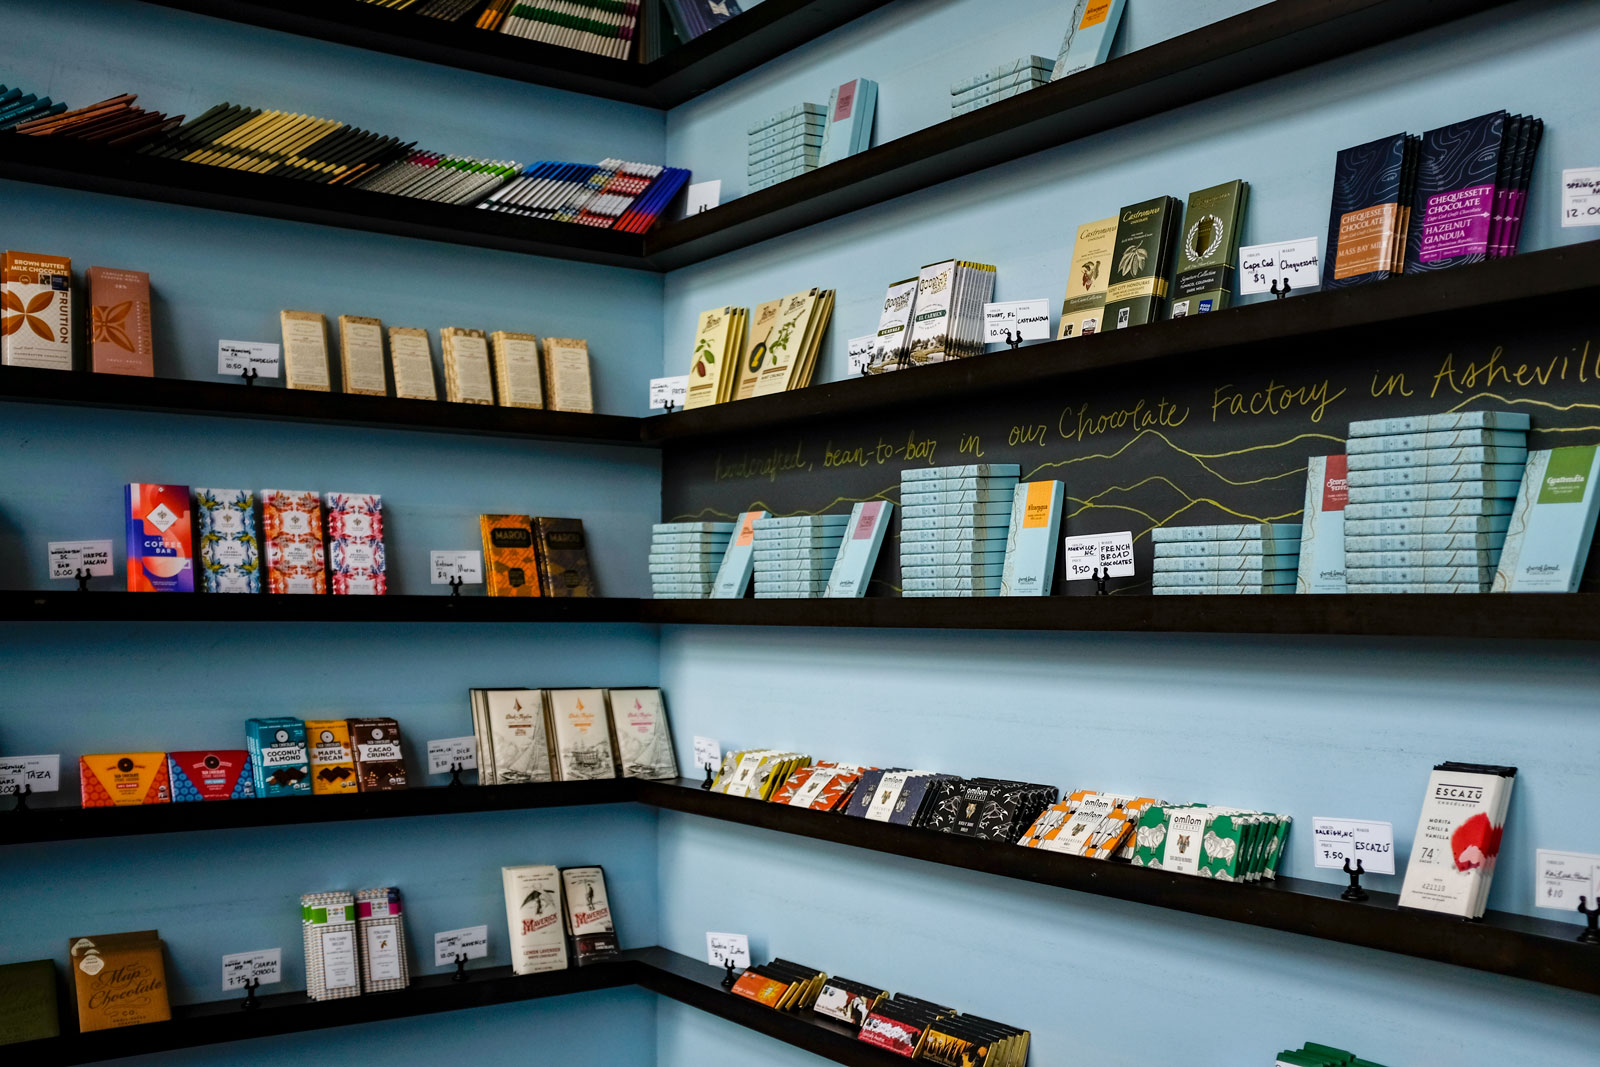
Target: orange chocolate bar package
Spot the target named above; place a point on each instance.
(120, 980)
(510, 561)
(119, 319)
(115, 779)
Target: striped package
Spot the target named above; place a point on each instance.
(383, 940)
(328, 922)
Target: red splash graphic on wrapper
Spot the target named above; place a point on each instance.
(1475, 843)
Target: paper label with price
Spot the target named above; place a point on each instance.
(1110, 553)
(861, 349)
(41, 774)
(470, 941)
(264, 965)
(1372, 843)
(234, 356)
(1564, 877)
(664, 389)
(1580, 198)
(443, 753)
(707, 753)
(722, 948)
(68, 557)
(1029, 318)
(468, 566)
(1296, 262)
(702, 196)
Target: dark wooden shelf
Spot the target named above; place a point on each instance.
(760, 34)
(1277, 38)
(227, 399)
(657, 969)
(1539, 950)
(72, 165)
(1530, 283)
(1540, 616)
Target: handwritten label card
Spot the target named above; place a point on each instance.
(702, 196)
(1110, 553)
(721, 948)
(42, 774)
(861, 353)
(234, 356)
(1580, 200)
(1029, 318)
(68, 557)
(470, 941)
(468, 566)
(663, 390)
(461, 750)
(1563, 877)
(707, 753)
(1296, 262)
(1372, 843)
(264, 965)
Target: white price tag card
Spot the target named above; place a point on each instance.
(1295, 261)
(1580, 200)
(471, 942)
(723, 948)
(861, 352)
(263, 965)
(468, 566)
(40, 773)
(450, 750)
(707, 753)
(665, 390)
(1110, 553)
(1564, 877)
(68, 557)
(234, 356)
(1335, 840)
(1016, 320)
(702, 196)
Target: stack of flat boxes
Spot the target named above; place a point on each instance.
(793, 556)
(684, 557)
(1430, 499)
(1006, 80)
(1256, 557)
(786, 145)
(953, 525)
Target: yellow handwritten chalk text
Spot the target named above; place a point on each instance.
(969, 445)
(915, 449)
(1027, 435)
(1493, 371)
(1274, 399)
(843, 457)
(1077, 424)
(1392, 385)
(768, 467)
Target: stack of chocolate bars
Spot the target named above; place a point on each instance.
(684, 557)
(786, 145)
(794, 555)
(1256, 557)
(1001, 83)
(953, 528)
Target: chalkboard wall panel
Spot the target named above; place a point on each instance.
(1219, 437)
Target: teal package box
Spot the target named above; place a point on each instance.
(1461, 472)
(1248, 547)
(1000, 508)
(692, 527)
(934, 559)
(988, 495)
(1547, 542)
(1223, 590)
(1480, 576)
(1168, 564)
(1249, 577)
(952, 537)
(1383, 494)
(1439, 457)
(1429, 509)
(965, 470)
(1091, 28)
(1429, 524)
(1459, 420)
(1027, 65)
(858, 554)
(280, 763)
(1442, 557)
(800, 112)
(851, 109)
(1030, 561)
(1248, 531)
(1419, 542)
(1411, 442)
(946, 525)
(786, 522)
(733, 572)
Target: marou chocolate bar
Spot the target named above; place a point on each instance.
(118, 779)
(120, 980)
(563, 556)
(380, 763)
(509, 556)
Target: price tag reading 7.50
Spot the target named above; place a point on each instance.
(1372, 843)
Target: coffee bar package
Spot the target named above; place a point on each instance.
(118, 779)
(328, 925)
(533, 918)
(36, 311)
(383, 940)
(305, 350)
(361, 356)
(355, 544)
(510, 559)
(221, 775)
(380, 763)
(588, 915)
(229, 553)
(119, 980)
(279, 762)
(28, 1002)
(119, 322)
(159, 539)
(333, 762)
(291, 525)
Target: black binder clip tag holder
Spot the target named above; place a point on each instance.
(21, 792)
(707, 783)
(250, 1003)
(455, 585)
(455, 775)
(461, 968)
(249, 375)
(729, 978)
(669, 406)
(1280, 293)
(1100, 581)
(1591, 934)
(82, 574)
(1354, 892)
